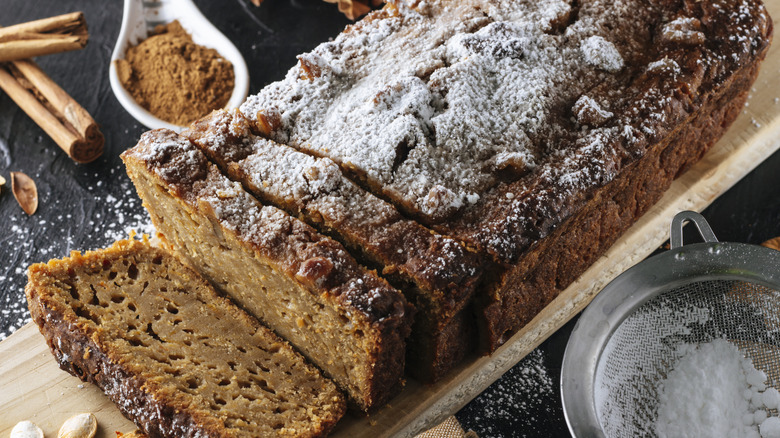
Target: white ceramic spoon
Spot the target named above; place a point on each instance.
(141, 16)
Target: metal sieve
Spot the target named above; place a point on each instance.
(625, 341)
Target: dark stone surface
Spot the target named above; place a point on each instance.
(88, 206)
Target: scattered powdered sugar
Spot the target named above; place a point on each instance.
(664, 64)
(432, 124)
(523, 402)
(713, 390)
(138, 222)
(589, 112)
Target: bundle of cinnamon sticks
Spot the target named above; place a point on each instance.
(43, 37)
(61, 117)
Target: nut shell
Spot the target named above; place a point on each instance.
(26, 429)
(79, 426)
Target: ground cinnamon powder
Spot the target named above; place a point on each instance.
(175, 79)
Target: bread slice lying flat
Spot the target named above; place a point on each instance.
(175, 357)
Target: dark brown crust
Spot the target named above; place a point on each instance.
(557, 260)
(77, 348)
(543, 243)
(449, 345)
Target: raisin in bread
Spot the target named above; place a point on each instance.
(534, 132)
(175, 357)
(436, 273)
(306, 287)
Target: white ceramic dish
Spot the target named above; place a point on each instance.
(142, 15)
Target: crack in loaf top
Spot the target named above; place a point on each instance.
(432, 104)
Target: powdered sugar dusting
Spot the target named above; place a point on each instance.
(517, 403)
(683, 30)
(430, 124)
(589, 112)
(644, 112)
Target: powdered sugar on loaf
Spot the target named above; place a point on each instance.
(429, 108)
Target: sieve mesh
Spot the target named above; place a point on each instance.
(641, 351)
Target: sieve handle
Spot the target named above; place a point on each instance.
(681, 218)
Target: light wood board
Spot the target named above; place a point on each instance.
(32, 387)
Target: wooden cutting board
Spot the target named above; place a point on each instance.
(32, 387)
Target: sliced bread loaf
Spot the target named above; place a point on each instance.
(176, 358)
(535, 132)
(305, 286)
(435, 272)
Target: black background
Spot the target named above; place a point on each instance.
(88, 206)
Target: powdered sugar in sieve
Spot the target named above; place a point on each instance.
(686, 343)
(652, 343)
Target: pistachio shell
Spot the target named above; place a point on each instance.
(26, 429)
(772, 243)
(79, 426)
(25, 192)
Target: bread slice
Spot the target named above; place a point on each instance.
(436, 273)
(535, 132)
(175, 357)
(303, 285)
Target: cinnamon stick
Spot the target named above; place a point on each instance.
(61, 117)
(43, 37)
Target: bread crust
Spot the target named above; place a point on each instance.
(552, 263)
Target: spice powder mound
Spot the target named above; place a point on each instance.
(175, 79)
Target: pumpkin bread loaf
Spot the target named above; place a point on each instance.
(481, 154)
(176, 358)
(305, 286)
(533, 132)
